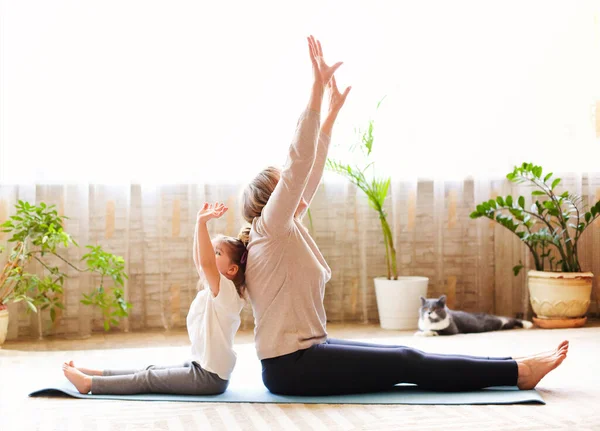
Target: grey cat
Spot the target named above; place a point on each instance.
(435, 318)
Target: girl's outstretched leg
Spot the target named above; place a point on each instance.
(81, 381)
(122, 372)
(87, 371)
(186, 379)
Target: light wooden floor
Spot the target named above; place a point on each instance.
(572, 392)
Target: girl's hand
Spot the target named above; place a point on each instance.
(210, 211)
(321, 70)
(336, 99)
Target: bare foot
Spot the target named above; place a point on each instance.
(564, 343)
(88, 371)
(532, 369)
(82, 382)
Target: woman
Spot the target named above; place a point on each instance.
(286, 276)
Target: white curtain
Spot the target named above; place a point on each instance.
(152, 228)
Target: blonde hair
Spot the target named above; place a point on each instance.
(236, 250)
(244, 235)
(257, 193)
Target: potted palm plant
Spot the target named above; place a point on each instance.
(551, 228)
(398, 298)
(37, 234)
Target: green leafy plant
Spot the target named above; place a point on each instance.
(551, 227)
(374, 187)
(112, 304)
(37, 232)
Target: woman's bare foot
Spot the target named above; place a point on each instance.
(532, 369)
(88, 371)
(564, 343)
(82, 382)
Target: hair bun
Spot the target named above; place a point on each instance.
(244, 235)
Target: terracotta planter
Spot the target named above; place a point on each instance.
(398, 301)
(3, 323)
(560, 295)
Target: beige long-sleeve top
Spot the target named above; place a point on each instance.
(286, 273)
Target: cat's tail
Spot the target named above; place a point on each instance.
(526, 324)
(510, 323)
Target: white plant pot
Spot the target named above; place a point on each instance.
(3, 325)
(398, 301)
(556, 295)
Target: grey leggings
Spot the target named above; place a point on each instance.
(188, 378)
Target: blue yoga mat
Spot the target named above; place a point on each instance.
(401, 394)
(246, 386)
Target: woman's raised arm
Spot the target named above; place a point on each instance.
(279, 211)
(336, 101)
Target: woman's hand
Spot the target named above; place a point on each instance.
(321, 70)
(210, 211)
(336, 99)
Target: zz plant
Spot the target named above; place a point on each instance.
(37, 234)
(551, 227)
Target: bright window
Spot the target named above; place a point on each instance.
(188, 91)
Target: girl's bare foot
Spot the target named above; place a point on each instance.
(82, 382)
(88, 371)
(532, 369)
(564, 343)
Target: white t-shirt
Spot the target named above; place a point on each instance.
(212, 323)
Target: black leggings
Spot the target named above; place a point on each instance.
(348, 367)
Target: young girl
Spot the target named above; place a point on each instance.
(212, 322)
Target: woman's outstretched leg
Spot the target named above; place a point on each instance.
(546, 353)
(329, 368)
(391, 346)
(361, 344)
(533, 369)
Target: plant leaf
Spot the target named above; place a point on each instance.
(517, 269)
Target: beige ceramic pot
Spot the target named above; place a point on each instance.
(560, 295)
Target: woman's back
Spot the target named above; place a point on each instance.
(285, 278)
